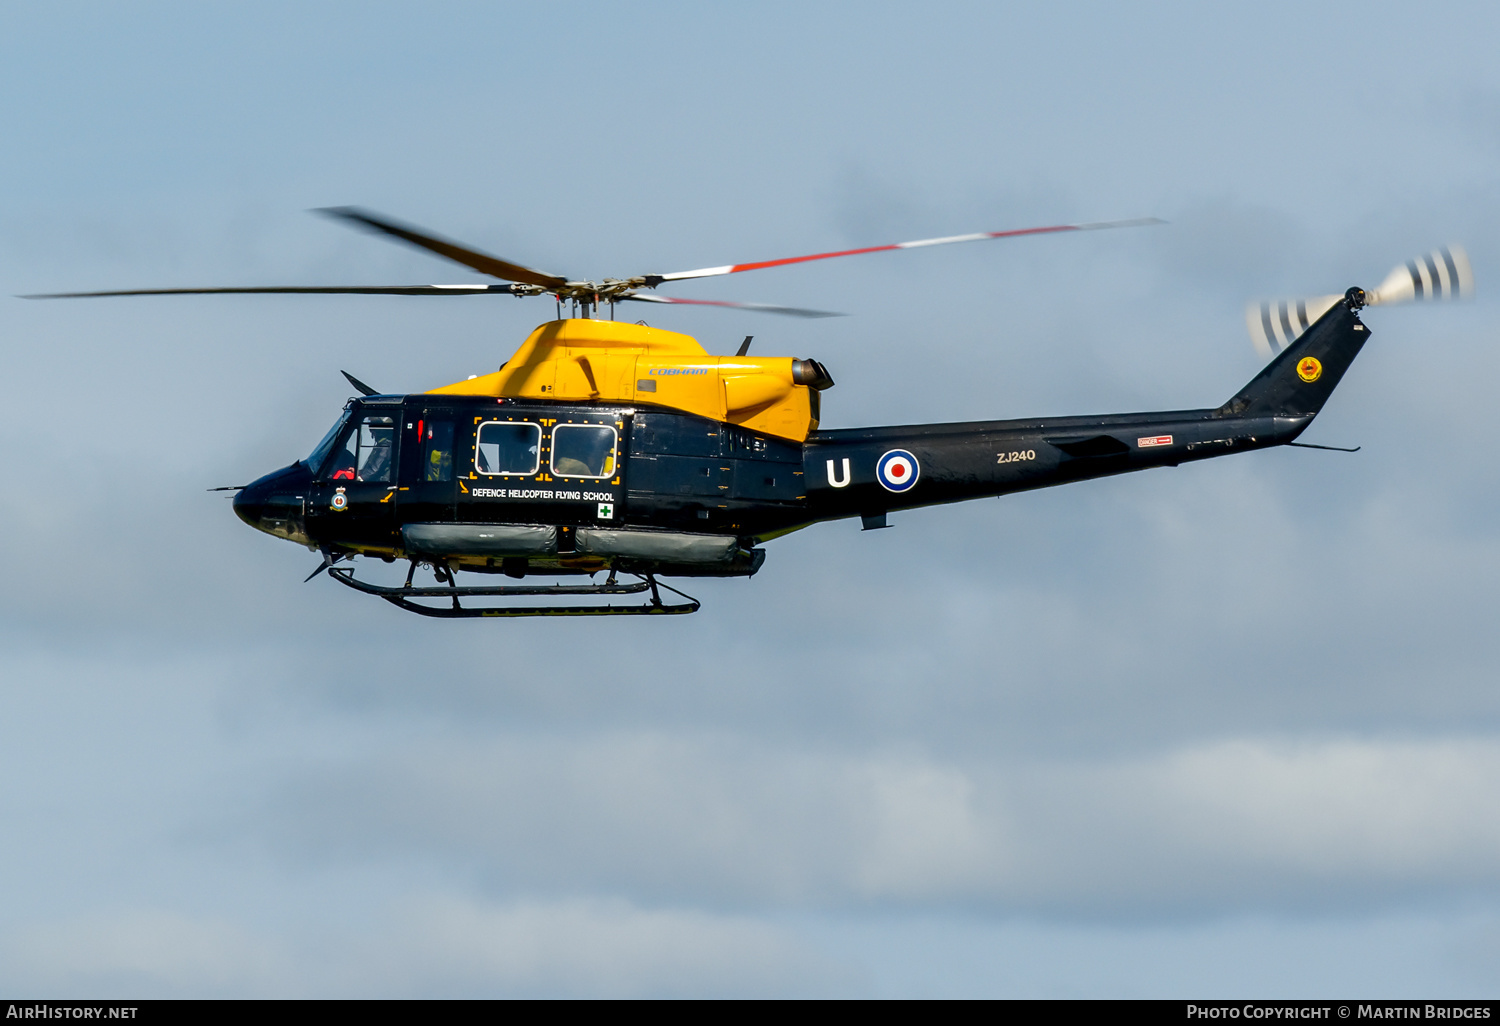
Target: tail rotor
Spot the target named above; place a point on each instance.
(1276, 325)
(1444, 273)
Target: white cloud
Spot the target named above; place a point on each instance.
(1275, 824)
(426, 945)
(1207, 829)
(150, 951)
(604, 949)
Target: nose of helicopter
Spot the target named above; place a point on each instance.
(249, 501)
(274, 503)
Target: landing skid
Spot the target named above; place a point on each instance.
(403, 596)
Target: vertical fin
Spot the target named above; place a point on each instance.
(1299, 380)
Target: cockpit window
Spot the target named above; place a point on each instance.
(508, 447)
(322, 449)
(366, 452)
(583, 450)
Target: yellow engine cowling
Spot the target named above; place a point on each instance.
(745, 394)
(613, 361)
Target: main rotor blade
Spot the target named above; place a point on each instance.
(452, 250)
(329, 290)
(709, 272)
(790, 311)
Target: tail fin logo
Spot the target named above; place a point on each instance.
(1309, 369)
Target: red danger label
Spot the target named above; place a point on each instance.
(1146, 443)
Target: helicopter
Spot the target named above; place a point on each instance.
(615, 448)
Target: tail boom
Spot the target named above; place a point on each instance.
(869, 471)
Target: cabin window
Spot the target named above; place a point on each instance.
(508, 447)
(437, 449)
(583, 450)
(366, 452)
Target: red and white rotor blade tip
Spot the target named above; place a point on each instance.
(790, 311)
(709, 272)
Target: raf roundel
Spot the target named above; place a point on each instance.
(897, 470)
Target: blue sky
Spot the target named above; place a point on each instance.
(1231, 728)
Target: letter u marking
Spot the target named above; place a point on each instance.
(839, 482)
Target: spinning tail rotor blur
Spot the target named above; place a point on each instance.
(1444, 273)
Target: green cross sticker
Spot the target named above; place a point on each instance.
(606, 511)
